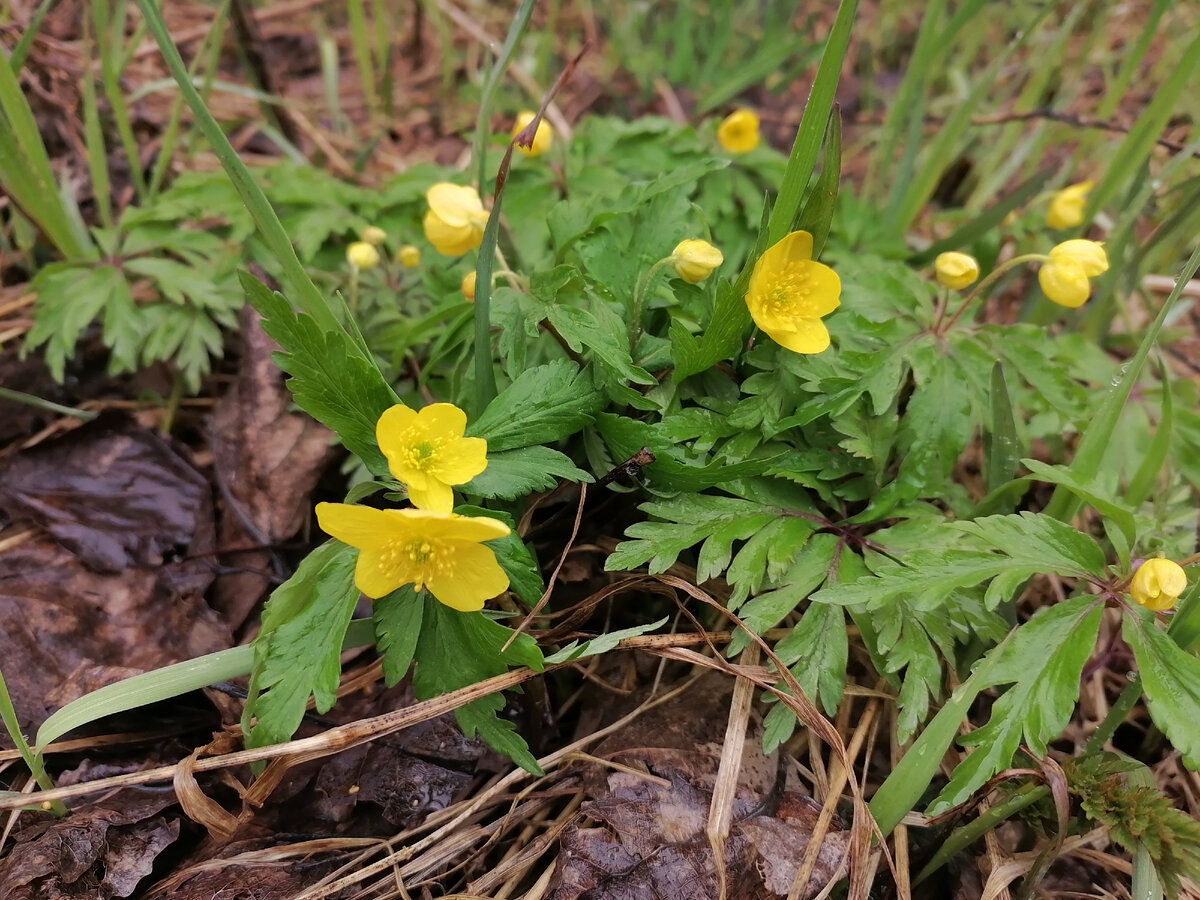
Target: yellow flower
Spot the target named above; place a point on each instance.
(1067, 206)
(468, 287)
(695, 260)
(440, 551)
(738, 132)
(456, 217)
(789, 292)
(427, 451)
(1064, 276)
(1158, 583)
(409, 256)
(956, 270)
(542, 138)
(373, 235)
(362, 255)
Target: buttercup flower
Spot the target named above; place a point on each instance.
(542, 138)
(362, 255)
(956, 270)
(409, 256)
(426, 450)
(695, 260)
(456, 217)
(1067, 206)
(1158, 583)
(1064, 276)
(373, 235)
(789, 292)
(738, 132)
(468, 286)
(440, 551)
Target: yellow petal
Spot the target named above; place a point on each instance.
(461, 461)
(440, 526)
(442, 420)
(473, 577)
(358, 526)
(793, 247)
(824, 289)
(432, 495)
(805, 336)
(454, 204)
(1088, 255)
(392, 426)
(1064, 283)
(375, 577)
(738, 132)
(451, 240)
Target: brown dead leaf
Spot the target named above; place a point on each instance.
(113, 493)
(99, 851)
(267, 460)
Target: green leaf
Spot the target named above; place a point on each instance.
(517, 473)
(818, 211)
(398, 618)
(805, 575)
(602, 643)
(457, 649)
(817, 651)
(768, 555)
(1146, 476)
(545, 404)
(1171, 681)
(331, 380)
(297, 653)
(1003, 446)
(1091, 494)
(1043, 661)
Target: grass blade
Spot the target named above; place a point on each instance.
(482, 120)
(813, 123)
(1004, 450)
(817, 215)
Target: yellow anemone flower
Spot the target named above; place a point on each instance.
(1158, 583)
(440, 551)
(455, 220)
(789, 292)
(956, 270)
(362, 255)
(409, 256)
(426, 450)
(1064, 276)
(542, 138)
(1067, 206)
(374, 235)
(738, 131)
(468, 287)
(695, 260)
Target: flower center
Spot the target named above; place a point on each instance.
(415, 559)
(790, 294)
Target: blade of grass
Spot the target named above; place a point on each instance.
(110, 33)
(167, 682)
(483, 120)
(1146, 476)
(8, 715)
(1131, 60)
(817, 216)
(1004, 453)
(301, 286)
(25, 44)
(813, 124)
(93, 136)
(1098, 434)
(360, 41)
(1137, 146)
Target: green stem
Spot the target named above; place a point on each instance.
(991, 279)
(1116, 715)
(273, 234)
(639, 298)
(46, 405)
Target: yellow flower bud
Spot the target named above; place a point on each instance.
(468, 287)
(956, 270)
(409, 256)
(542, 138)
(695, 260)
(373, 235)
(1067, 206)
(1064, 276)
(362, 256)
(455, 220)
(1158, 583)
(738, 132)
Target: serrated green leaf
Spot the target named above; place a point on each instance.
(297, 653)
(457, 649)
(1038, 538)
(767, 555)
(1171, 681)
(1091, 494)
(543, 405)
(817, 650)
(517, 473)
(806, 574)
(331, 380)
(398, 617)
(1043, 661)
